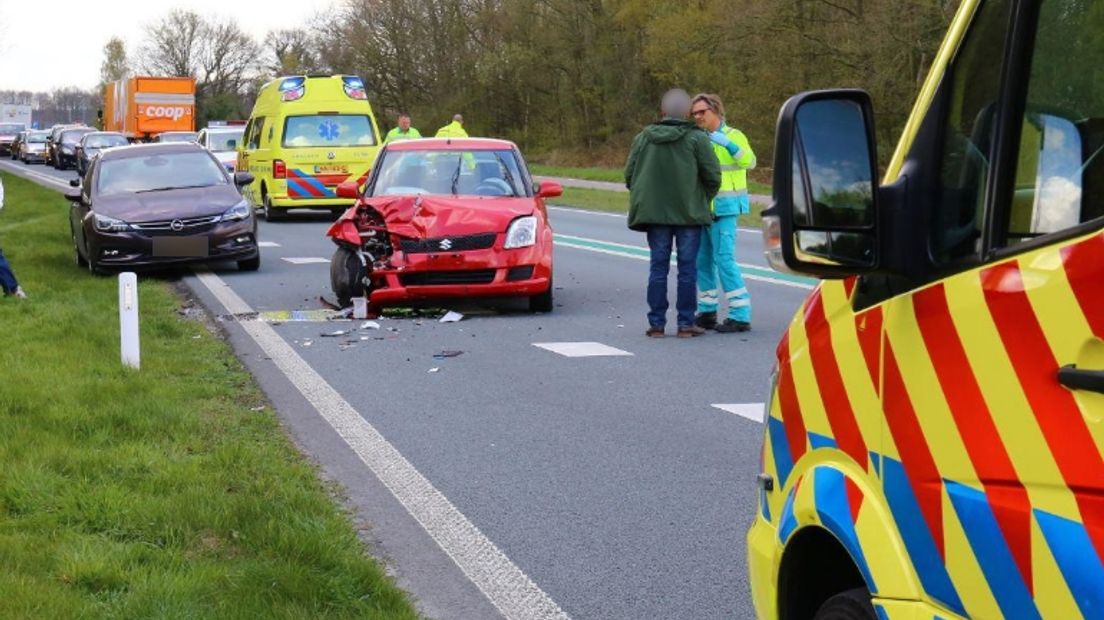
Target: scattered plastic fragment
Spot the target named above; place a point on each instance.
(434, 369)
(445, 354)
(452, 317)
(340, 332)
(369, 325)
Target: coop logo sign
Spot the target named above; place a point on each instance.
(175, 112)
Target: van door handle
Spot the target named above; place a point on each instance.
(1077, 379)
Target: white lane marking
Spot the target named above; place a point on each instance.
(751, 411)
(267, 244)
(508, 588)
(308, 260)
(581, 349)
(578, 246)
(23, 171)
(623, 216)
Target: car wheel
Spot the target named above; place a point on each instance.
(81, 262)
(346, 276)
(271, 213)
(542, 302)
(337, 212)
(850, 605)
(250, 264)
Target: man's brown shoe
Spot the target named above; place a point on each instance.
(654, 332)
(690, 332)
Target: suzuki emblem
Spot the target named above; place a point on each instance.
(177, 225)
(445, 244)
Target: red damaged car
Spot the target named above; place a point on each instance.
(445, 218)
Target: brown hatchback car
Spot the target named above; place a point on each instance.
(158, 205)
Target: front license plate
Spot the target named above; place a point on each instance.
(331, 169)
(180, 247)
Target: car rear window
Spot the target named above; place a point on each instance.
(328, 130)
(163, 171)
(99, 142)
(73, 137)
(11, 127)
(224, 141)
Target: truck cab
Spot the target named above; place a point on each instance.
(933, 441)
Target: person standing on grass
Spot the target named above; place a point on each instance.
(672, 174)
(717, 255)
(7, 278)
(403, 132)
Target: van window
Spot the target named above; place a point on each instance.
(253, 133)
(968, 136)
(328, 130)
(1060, 168)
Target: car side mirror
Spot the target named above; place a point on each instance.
(824, 218)
(549, 189)
(243, 178)
(74, 182)
(348, 189)
(73, 196)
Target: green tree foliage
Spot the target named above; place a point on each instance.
(115, 65)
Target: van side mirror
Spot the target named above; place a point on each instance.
(824, 218)
(348, 189)
(549, 189)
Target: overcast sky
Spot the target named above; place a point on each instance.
(32, 59)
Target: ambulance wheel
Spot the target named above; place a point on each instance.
(850, 605)
(346, 276)
(542, 302)
(271, 213)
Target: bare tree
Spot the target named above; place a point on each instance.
(115, 65)
(174, 45)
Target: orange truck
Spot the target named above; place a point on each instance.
(142, 107)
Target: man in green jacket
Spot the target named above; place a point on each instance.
(403, 131)
(672, 175)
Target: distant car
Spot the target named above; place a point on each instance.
(155, 205)
(33, 147)
(65, 147)
(8, 131)
(52, 141)
(174, 136)
(457, 218)
(92, 143)
(19, 138)
(223, 143)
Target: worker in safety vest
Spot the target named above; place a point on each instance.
(403, 132)
(717, 253)
(455, 129)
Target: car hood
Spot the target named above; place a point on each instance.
(168, 205)
(439, 216)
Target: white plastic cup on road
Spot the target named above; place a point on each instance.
(360, 308)
(128, 319)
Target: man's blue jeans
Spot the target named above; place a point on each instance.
(7, 278)
(660, 240)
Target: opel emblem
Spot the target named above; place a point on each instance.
(445, 244)
(331, 155)
(177, 225)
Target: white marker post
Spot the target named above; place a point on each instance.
(128, 319)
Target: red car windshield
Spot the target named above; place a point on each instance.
(449, 173)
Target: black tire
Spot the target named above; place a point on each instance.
(542, 302)
(346, 276)
(850, 605)
(271, 213)
(250, 264)
(337, 212)
(81, 262)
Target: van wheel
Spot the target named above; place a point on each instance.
(346, 276)
(542, 302)
(271, 213)
(850, 605)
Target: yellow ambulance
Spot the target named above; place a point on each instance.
(934, 435)
(307, 135)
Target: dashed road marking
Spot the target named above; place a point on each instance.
(581, 349)
(268, 244)
(751, 411)
(505, 585)
(307, 260)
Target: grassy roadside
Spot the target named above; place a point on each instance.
(167, 492)
(618, 202)
(612, 175)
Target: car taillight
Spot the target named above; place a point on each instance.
(279, 170)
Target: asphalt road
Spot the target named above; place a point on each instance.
(612, 482)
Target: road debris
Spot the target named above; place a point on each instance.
(335, 334)
(446, 354)
(435, 369)
(369, 325)
(452, 317)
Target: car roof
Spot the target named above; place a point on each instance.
(451, 144)
(143, 150)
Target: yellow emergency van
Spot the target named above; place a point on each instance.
(934, 435)
(306, 136)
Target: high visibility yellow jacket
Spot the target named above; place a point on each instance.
(736, 159)
(397, 134)
(452, 130)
